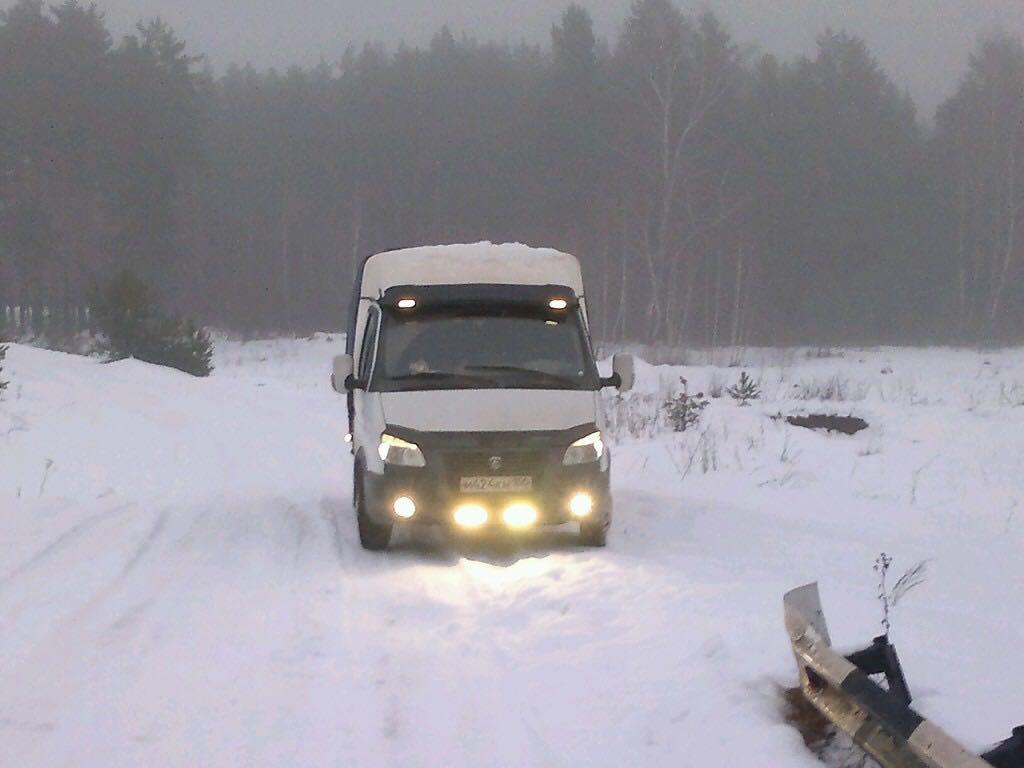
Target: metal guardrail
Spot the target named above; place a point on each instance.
(880, 721)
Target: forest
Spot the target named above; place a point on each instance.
(716, 196)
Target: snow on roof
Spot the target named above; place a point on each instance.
(509, 263)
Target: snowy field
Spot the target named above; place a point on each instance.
(181, 583)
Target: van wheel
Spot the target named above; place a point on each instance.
(372, 536)
(592, 535)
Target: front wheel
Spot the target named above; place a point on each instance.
(373, 536)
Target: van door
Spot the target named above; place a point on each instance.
(366, 434)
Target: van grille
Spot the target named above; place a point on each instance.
(478, 464)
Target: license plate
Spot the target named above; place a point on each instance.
(520, 484)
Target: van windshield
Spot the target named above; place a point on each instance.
(470, 349)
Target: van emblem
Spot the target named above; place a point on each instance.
(495, 462)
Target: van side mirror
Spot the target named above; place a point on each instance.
(624, 369)
(342, 371)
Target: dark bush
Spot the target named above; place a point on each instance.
(133, 324)
(3, 356)
(848, 425)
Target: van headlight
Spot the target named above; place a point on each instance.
(586, 450)
(400, 453)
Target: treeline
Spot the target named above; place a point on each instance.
(714, 197)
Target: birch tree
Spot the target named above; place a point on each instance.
(980, 130)
(673, 77)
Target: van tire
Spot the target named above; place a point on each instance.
(593, 535)
(372, 536)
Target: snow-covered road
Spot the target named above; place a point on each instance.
(181, 585)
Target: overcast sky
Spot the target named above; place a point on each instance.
(923, 43)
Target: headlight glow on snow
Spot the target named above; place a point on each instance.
(398, 452)
(585, 450)
(581, 505)
(520, 515)
(470, 516)
(404, 507)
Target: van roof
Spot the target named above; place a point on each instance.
(509, 263)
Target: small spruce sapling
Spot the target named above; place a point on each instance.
(745, 390)
(683, 409)
(890, 598)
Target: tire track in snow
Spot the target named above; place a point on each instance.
(107, 585)
(44, 666)
(60, 541)
(146, 544)
(329, 508)
(300, 529)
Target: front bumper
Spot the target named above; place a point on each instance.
(436, 487)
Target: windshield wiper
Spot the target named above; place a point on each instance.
(441, 376)
(555, 377)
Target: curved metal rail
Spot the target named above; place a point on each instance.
(879, 721)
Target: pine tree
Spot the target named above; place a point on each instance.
(133, 324)
(128, 316)
(188, 348)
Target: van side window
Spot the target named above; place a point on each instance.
(366, 353)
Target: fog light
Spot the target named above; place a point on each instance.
(404, 507)
(470, 516)
(520, 516)
(581, 505)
